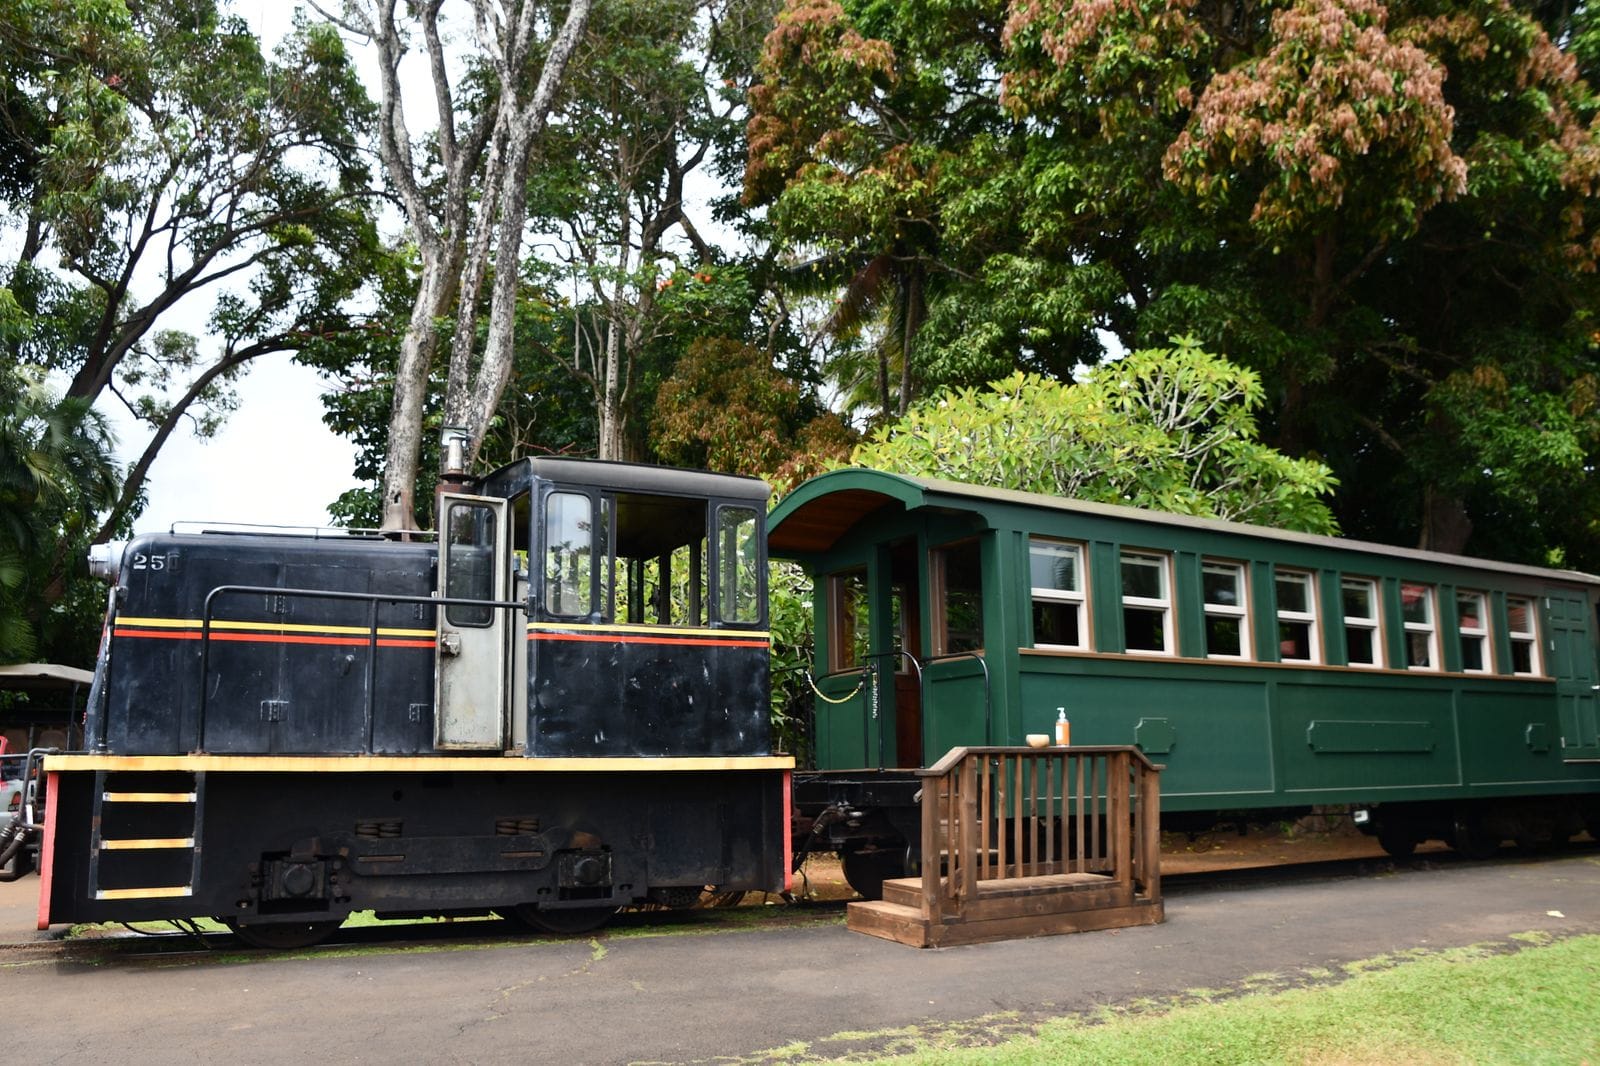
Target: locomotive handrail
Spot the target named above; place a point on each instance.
(274, 529)
(372, 599)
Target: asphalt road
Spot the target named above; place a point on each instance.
(669, 992)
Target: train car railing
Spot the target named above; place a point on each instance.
(874, 720)
(988, 686)
(371, 599)
(1040, 818)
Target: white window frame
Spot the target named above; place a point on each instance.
(1430, 626)
(1372, 623)
(1529, 637)
(1076, 598)
(1308, 617)
(1479, 633)
(1163, 604)
(1239, 611)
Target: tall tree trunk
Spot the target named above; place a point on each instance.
(434, 293)
(473, 391)
(442, 242)
(911, 319)
(1446, 526)
(610, 411)
(617, 348)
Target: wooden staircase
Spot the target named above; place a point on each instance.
(1024, 842)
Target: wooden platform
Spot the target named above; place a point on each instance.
(1020, 842)
(1004, 910)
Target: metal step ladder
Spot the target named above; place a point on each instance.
(132, 812)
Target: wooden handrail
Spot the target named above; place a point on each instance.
(1069, 816)
(955, 755)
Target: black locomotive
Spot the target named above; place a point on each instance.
(556, 708)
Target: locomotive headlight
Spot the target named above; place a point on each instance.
(105, 560)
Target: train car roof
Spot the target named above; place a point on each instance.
(812, 518)
(633, 477)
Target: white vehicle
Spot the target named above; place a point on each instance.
(15, 793)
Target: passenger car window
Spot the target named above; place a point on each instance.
(1416, 607)
(958, 577)
(1359, 598)
(1056, 579)
(1146, 603)
(1226, 616)
(1522, 626)
(1472, 620)
(1297, 617)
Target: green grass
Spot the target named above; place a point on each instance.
(1497, 1004)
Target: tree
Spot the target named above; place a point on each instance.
(56, 474)
(855, 121)
(543, 411)
(153, 155)
(642, 113)
(1384, 209)
(1168, 429)
(726, 407)
(485, 145)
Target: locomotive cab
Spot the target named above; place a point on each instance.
(644, 592)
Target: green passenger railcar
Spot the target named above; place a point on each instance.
(1439, 696)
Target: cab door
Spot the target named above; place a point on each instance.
(470, 651)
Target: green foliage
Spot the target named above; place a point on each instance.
(1384, 208)
(56, 473)
(789, 618)
(1168, 429)
(726, 408)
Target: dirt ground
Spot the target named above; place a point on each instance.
(1314, 839)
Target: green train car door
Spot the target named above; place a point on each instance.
(1572, 662)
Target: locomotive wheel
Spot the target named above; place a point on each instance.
(564, 921)
(1397, 843)
(866, 871)
(284, 936)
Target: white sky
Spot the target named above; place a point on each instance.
(273, 461)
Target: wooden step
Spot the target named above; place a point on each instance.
(891, 921)
(1142, 912)
(907, 925)
(907, 891)
(1045, 883)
